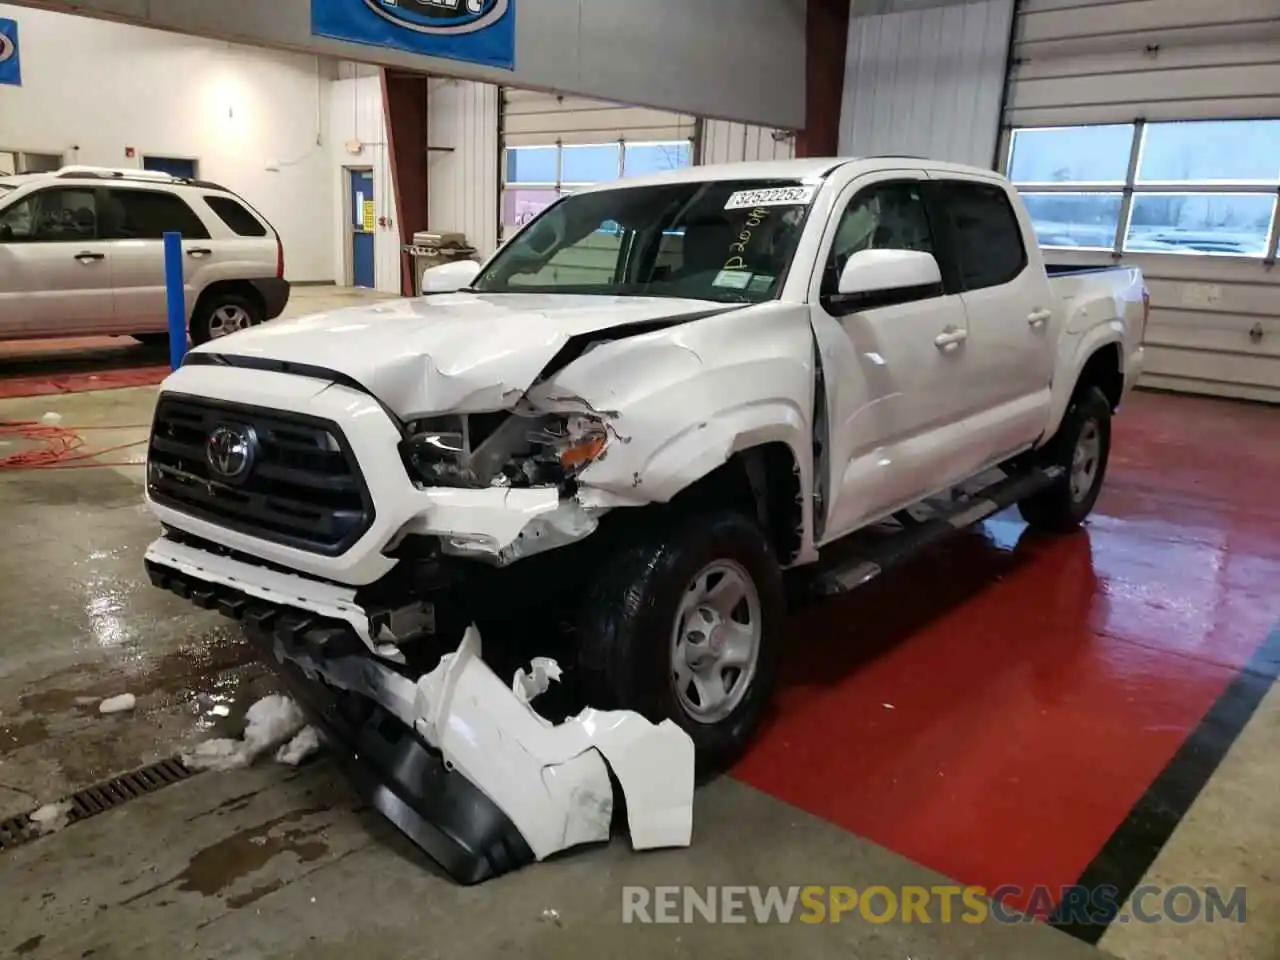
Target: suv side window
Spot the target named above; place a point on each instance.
(150, 214)
(233, 213)
(986, 239)
(886, 216)
(56, 215)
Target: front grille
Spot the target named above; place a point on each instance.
(303, 489)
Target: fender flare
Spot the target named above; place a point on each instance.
(1074, 352)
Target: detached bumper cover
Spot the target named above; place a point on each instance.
(456, 759)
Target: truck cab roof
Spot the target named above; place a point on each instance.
(806, 170)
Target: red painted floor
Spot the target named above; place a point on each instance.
(996, 709)
(30, 368)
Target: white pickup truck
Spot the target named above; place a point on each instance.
(613, 437)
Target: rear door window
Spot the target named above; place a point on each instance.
(986, 239)
(150, 214)
(236, 216)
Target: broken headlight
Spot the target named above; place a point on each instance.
(502, 450)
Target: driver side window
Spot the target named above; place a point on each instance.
(887, 216)
(60, 215)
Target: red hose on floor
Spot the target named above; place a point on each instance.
(59, 445)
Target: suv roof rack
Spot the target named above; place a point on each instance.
(120, 173)
(133, 173)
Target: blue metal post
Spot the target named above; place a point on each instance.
(175, 299)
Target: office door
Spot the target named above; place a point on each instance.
(362, 225)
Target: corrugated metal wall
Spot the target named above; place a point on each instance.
(462, 120)
(1215, 325)
(531, 118)
(726, 142)
(926, 82)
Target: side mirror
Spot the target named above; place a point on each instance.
(889, 276)
(448, 277)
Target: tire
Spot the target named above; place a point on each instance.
(634, 649)
(1081, 447)
(219, 314)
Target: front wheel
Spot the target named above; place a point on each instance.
(1081, 447)
(685, 625)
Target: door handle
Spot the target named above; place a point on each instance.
(199, 252)
(1038, 318)
(87, 255)
(950, 337)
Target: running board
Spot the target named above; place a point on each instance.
(854, 571)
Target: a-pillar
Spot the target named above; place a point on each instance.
(826, 39)
(404, 99)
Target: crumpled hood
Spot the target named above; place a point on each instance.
(458, 352)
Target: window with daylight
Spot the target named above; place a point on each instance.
(1190, 187)
(537, 176)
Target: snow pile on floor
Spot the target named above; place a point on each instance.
(121, 704)
(51, 817)
(273, 723)
(300, 747)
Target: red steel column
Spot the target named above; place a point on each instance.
(826, 39)
(404, 102)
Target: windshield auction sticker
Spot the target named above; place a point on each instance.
(771, 197)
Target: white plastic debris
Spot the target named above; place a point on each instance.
(119, 704)
(551, 916)
(269, 723)
(51, 817)
(300, 747)
(51, 418)
(542, 670)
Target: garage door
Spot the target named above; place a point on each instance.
(1150, 130)
(552, 144)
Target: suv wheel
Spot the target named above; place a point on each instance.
(221, 314)
(685, 625)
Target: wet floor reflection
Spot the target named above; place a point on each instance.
(995, 708)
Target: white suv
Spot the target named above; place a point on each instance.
(81, 254)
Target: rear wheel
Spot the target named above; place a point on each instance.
(222, 314)
(1081, 447)
(684, 625)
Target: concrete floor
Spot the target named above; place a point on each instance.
(277, 862)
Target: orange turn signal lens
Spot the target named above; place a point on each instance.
(582, 452)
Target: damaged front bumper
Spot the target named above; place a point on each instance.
(459, 761)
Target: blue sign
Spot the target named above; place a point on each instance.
(10, 67)
(477, 31)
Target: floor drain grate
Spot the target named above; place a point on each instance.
(100, 798)
(14, 831)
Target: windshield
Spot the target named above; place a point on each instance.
(728, 241)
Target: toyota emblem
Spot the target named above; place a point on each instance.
(230, 452)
